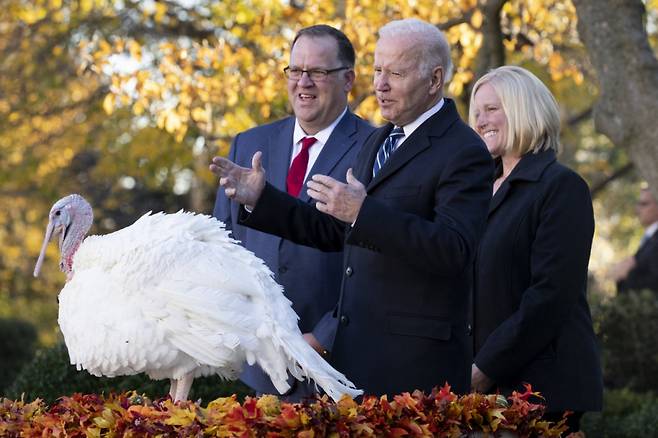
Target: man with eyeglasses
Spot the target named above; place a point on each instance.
(640, 271)
(323, 136)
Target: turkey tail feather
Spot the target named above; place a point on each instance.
(308, 363)
(303, 362)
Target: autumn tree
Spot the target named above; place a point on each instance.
(615, 34)
(125, 101)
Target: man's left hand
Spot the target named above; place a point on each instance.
(342, 201)
(479, 381)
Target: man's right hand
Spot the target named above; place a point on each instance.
(315, 344)
(241, 184)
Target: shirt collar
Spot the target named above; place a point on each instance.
(409, 128)
(651, 230)
(321, 136)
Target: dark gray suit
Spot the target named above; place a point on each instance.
(310, 278)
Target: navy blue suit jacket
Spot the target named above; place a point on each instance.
(403, 309)
(310, 278)
(645, 273)
(531, 317)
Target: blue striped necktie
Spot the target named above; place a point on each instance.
(387, 149)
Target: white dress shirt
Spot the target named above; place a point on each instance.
(321, 136)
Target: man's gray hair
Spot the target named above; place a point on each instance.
(434, 46)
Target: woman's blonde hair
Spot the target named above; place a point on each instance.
(533, 117)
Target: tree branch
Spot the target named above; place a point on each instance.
(598, 187)
(581, 116)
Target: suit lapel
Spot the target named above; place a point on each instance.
(340, 142)
(280, 148)
(651, 241)
(369, 152)
(417, 142)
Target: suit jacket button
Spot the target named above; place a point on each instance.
(344, 320)
(348, 271)
(282, 269)
(469, 330)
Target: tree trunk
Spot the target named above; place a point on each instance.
(614, 34)
(492, 52)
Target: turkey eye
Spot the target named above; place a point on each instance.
(57, 213)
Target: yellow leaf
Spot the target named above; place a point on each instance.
(181, 417)
(476, 19)
(135, 50)
(108, 103)
(85, 6)
(172, 123)
(200, 115)
(138, 109)
(102, 423)
(104, 48)
(32, 15)
(160, 11)
(93, 432)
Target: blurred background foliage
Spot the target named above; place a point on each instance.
(125, 102)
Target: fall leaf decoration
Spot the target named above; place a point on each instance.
(441, 413)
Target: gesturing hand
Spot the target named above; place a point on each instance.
(342, 201)
(242, 184)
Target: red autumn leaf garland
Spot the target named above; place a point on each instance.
(440, 413)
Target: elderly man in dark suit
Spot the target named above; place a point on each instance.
(323, 136)
(640, 271)
(408, 218)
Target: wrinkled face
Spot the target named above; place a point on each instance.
(490, 119)
(318, 103)
(647, 208)
(403, 91)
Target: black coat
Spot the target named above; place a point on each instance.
(403, 311)
(645, 273)
(310, 278)
(532, 322)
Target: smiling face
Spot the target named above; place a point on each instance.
(403, 91)
(490, 119)
(317, 104)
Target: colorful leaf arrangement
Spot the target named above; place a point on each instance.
(441, 413)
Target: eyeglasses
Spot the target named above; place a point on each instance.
(316, 74)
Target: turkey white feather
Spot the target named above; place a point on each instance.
(174, 296)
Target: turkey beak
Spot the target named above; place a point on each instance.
(63, 231)
(42, 254)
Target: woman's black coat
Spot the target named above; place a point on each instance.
(531, 321)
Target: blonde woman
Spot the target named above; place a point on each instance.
(531, 319)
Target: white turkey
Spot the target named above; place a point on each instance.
(174, 296)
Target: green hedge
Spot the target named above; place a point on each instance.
(50, 376)
(17, 345)
(627, 326)
(626, 414)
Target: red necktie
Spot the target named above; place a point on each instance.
(297, 170)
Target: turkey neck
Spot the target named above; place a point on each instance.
(80, 224)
